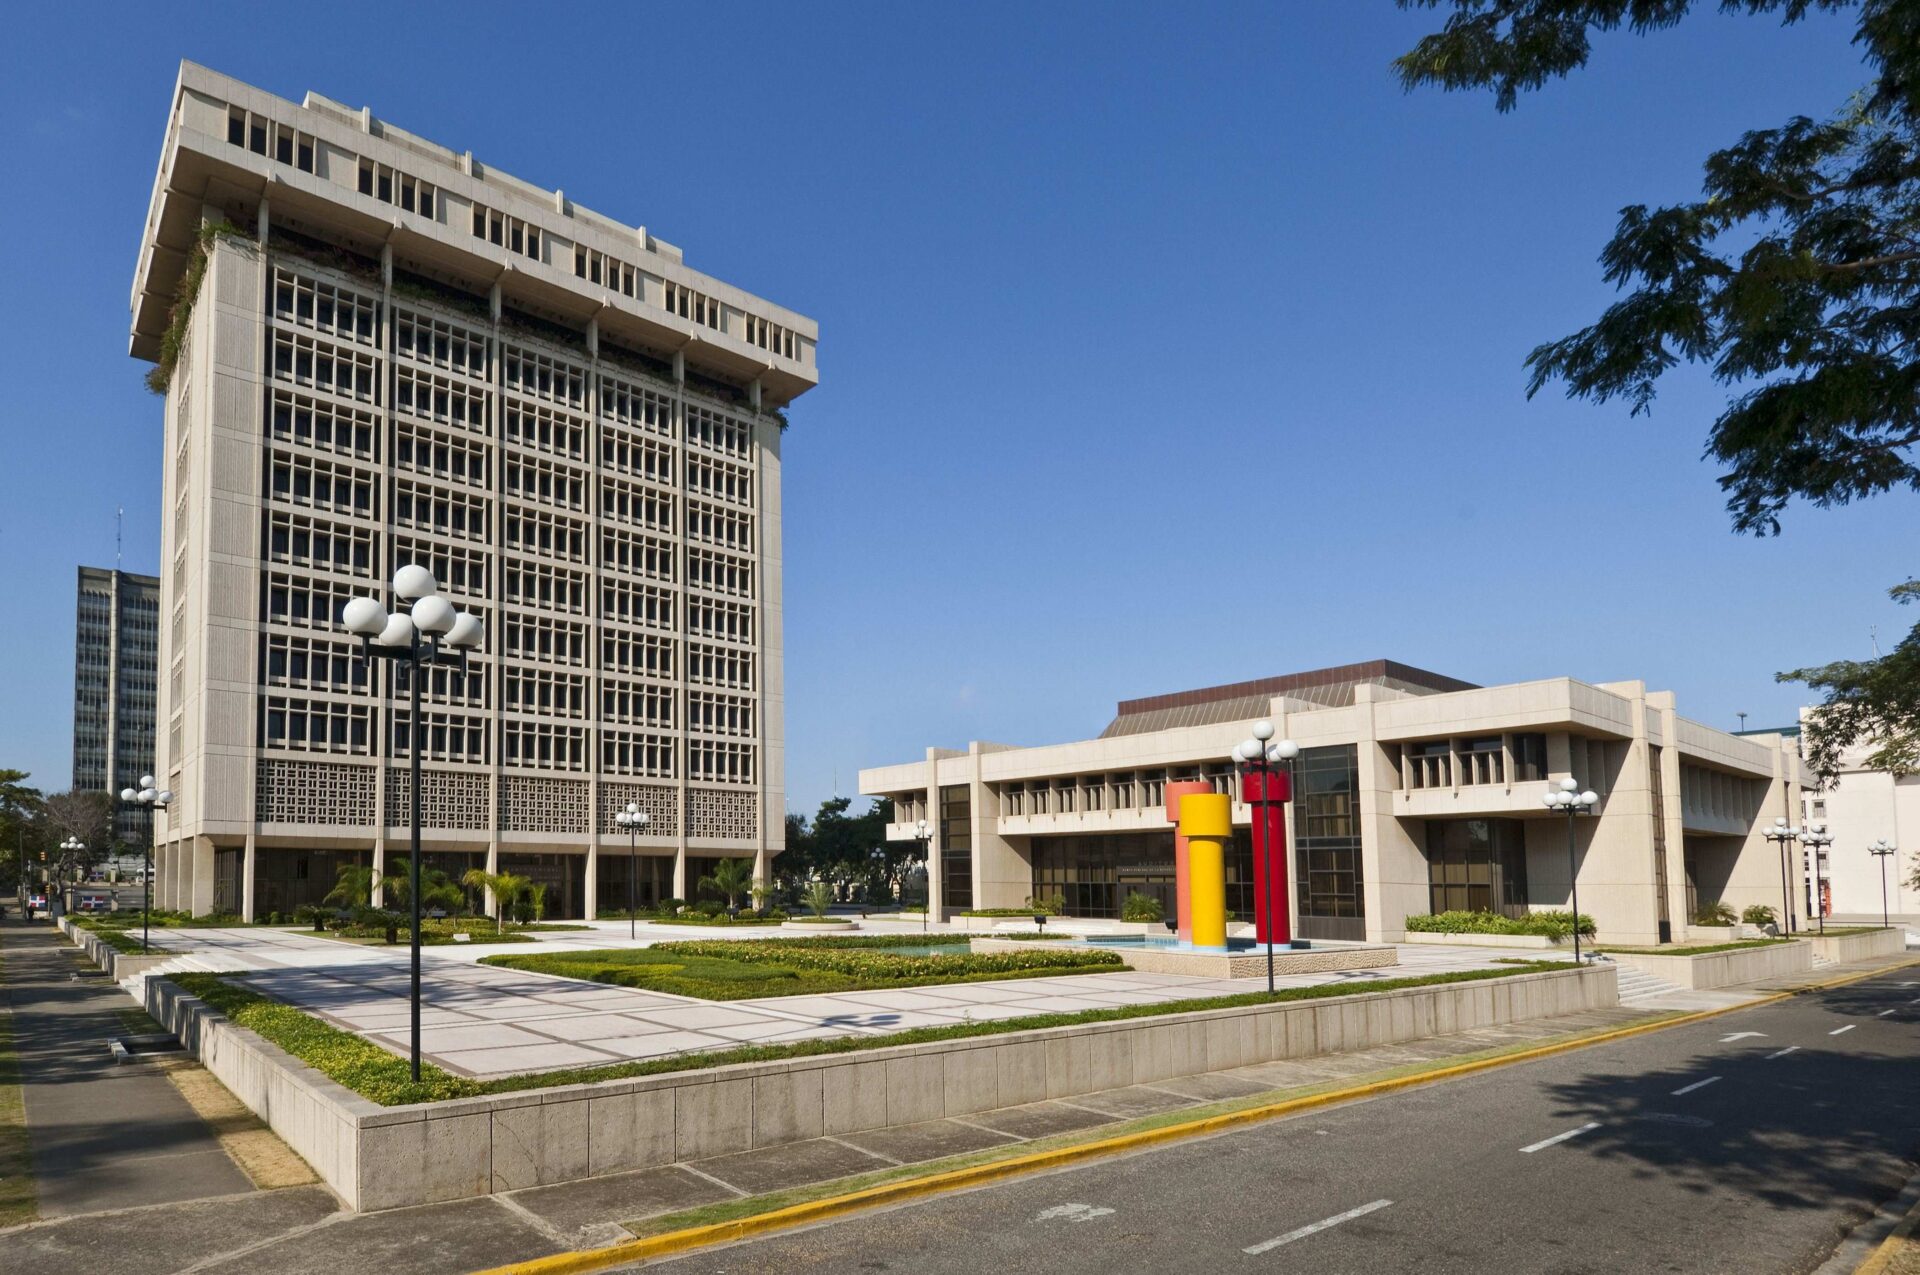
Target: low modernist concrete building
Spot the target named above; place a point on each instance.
(378, 351)
(1413, 793)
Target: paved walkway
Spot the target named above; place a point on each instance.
(484, 1021)
(103, 1136)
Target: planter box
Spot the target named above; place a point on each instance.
(1721, 969)
(1488, 940)
(1858, 947)
(389, 1157)
(820, 927)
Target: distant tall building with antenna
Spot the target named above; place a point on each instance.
(116, 636)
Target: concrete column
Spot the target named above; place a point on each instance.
(1393, 866)
(379, 871)
(201, 894)
(246, 880)
(936, 892)
(591, 907)
(493, 868)
(680, 871)
(763, 868)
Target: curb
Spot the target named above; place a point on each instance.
(1888, 1249)
(673, 1243)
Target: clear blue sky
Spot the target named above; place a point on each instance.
(1119, 304)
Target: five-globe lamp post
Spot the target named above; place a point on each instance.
(429, 633)
(1883, 850)
(1259, 755)
(1782, 834)
(1816, 839)
(1568, 797)
(154, 799)
(633, 819)
(73, 848)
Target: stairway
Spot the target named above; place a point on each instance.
(135, 985)
(1638, 985)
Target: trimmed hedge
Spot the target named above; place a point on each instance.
(1701, 949)
(1553, 925)
(811, 954)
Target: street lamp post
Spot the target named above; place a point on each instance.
(1816, 838)
(431, 633)
(1783, 835)
(1883, 850)
(1569, 798)
(154, 799)
(924, 835)
(633, 819)
(74, 848)
(1259, 757)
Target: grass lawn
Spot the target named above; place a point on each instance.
(728, 970)
(1697, 950)
(17, 1198)
(1841, 931)
(381, 1077)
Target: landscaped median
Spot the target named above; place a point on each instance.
(114, 950)
(1547, 929)
(502, 1134)
(727, 969)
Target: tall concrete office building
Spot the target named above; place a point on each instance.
(115, 630)
(378, 351)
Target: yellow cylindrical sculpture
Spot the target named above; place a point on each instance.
(1206, 821)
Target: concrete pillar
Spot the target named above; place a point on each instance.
(200, 896)
(379, 871)
(763, 868)
(493, 868)
(936, 890)
(246, 880)
(680, 873)
(591, 908)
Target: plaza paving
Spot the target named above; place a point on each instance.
(482, 1021)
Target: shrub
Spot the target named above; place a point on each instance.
(818, 898)
(1714, 914)
(709, 908)
(1551, 924)
(1047, 904)
(670, 907)
(1759, 914)
(811, 954)
(315, 915)
(1141, 907)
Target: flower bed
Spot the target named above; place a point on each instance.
(1553, 925)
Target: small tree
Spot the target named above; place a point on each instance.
(352, 888)
(530, 902)
(818, 897)
(1759, 914)
(730, 877)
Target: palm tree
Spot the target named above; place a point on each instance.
(506, 887)
(731, 877)
(352, 887)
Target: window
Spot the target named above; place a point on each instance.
(1477, 865)
(1529, 757)
(1328, 878)
(512, 233)
(697, 306)
(956, 846)
(403, 190)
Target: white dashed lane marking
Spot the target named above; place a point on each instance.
(1314, 1228)
(1544, 1143)
(1836, 1031)
(1698, 1084)
(1781, 1053)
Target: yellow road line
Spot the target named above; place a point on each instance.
(672, 1243)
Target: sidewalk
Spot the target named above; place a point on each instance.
(103, 1136)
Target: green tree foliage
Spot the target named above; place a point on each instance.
(847, 850)
(1794, 279)
(20, 807)
(508, 889)
(730, 877)
(86, 817)
(437, 889)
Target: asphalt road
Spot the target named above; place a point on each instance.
(1705, 1148)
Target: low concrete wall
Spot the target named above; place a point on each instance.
(1721, 969)
(1858, 947)
(834, 926)
(117, 964)
(389, 1157)
(1487, 940)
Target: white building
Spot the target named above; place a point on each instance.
(1860, 807)
(377, 351)
(1414, 793)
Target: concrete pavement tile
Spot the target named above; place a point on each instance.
(167, 1238)
(1212, 1086)
(1132, 1101)
(660, 1043)
(446, 1040)
(584, 1209)
(697, 1017)
(1040, 1119)
(933, 1140)
(511, 1061)
(796, 1164)
(434, 1239)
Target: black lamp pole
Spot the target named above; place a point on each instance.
(1883, 850)
(926, 859)
(1567, 796)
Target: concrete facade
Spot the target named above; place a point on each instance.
(1862, 805)
(1680, 823)
(115, 638)
(398, 354)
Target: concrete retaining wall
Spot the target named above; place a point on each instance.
(117, 964)
(1720, 969)
(1858, 947)
(389, 1157)
(1323, 958)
